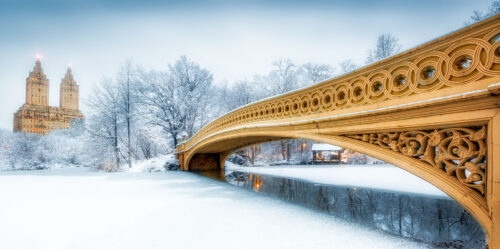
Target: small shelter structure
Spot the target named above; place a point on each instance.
(326, 153)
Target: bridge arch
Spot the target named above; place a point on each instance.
(466, 197)
(433, 110)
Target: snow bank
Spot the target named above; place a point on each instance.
(74, 208)
(386, 177)
(325, 147)
(156, 164)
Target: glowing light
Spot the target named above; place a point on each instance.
(38, 57)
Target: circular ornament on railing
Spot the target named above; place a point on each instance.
(377, 87)
(273, 110)
(295, 106)
(287, 107)
(401, 80)
(316, 98)
(279, 109)
(304, 104)
(262, 113)
(342, 95)
(358, 91)
(328, 99)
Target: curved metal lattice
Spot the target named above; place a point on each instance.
(458, 152)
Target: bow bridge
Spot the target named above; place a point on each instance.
(433, 111)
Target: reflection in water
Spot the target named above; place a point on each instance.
(439, 221)
(219, 175)
(257, 183)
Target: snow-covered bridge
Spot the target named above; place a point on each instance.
(433, 110)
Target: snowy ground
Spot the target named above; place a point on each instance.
(152, 165)
(76, 208)
(370, 176)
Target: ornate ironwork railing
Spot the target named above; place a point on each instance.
(462, 57)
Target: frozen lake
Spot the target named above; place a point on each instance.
(383, 177)
(76, 208)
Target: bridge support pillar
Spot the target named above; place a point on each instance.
(494, 198)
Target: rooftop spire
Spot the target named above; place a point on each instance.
(68, 78)
(38, 66)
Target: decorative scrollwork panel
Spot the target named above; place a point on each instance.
(458, 152)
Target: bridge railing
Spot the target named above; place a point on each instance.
(462, 57)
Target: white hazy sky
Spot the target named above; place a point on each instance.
(233, 39)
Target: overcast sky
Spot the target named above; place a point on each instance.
(233, 39)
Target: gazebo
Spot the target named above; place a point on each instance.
(326, 153)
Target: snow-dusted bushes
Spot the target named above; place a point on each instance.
(59, 148)
(70, 147)
(160, 163)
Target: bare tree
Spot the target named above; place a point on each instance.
(104, 104)
(241, 93)
(386, 46)
(146, 145)
(317, 72)
(127, 94)
(347, 66)
(475, 17)
(494, 8)
(478, 15)
(283, 78)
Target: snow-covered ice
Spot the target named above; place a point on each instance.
(386, 177)
(76, 208)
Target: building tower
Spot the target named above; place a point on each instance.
(37, 86)
(36, 116)
(69, 92)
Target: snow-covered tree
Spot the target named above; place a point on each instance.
(193, 83)
(478, 15)
(127, 90)
(238, 94)
(386, 46)
(177, 99)
(283, 77)
(105, 117)
(347, 66)
(317, 72)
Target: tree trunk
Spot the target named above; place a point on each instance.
(252, 159)
(128, 114)
(115, 145)
(283, 149)
(174, 138)
(288, 152)
(129, 143)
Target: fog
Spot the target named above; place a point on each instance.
(234, 40)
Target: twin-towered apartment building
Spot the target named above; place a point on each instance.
(36, 116)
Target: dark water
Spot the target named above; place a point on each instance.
(438, 221)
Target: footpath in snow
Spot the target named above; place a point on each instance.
(77, 208)
(385, 177)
